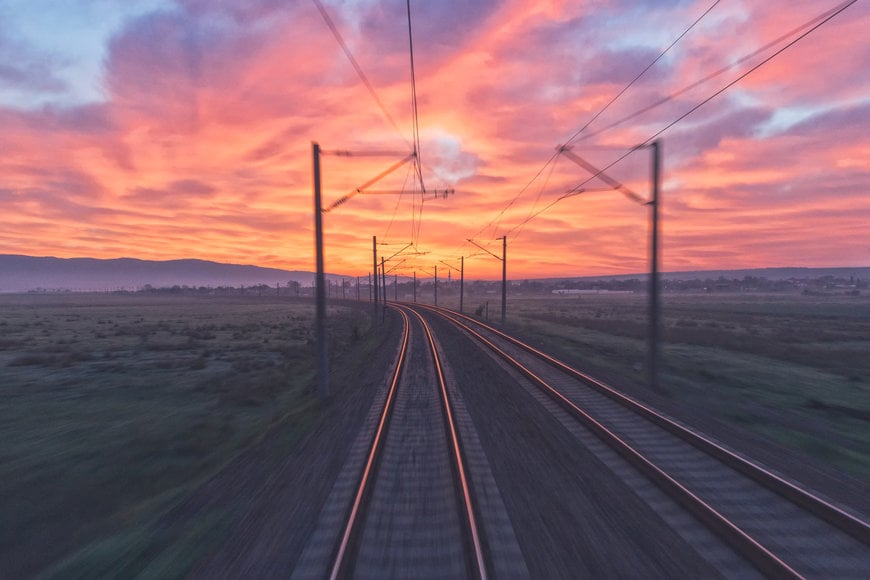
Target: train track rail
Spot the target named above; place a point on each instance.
(355, 548)
(781, 528)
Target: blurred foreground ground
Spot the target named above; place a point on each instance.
(116, 408)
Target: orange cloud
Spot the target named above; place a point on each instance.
(201, 146)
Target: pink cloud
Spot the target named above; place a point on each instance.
(202, 147)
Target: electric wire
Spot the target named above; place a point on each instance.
(540, 193)
(398, 202)
(815, 27)
(416, 210)
(497, 220)
(359, 71)
(414, 110)
(641, 73)
(577, 189)
(420, 219)
(709, 77)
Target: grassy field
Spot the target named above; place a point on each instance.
(789, 367)
(114, 407)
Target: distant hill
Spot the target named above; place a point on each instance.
(25, 273)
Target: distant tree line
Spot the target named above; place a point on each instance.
(351, 289)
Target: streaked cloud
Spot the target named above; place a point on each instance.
(170, 129)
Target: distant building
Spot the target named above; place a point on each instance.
(573, 291)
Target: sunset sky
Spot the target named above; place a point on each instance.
(165, 129)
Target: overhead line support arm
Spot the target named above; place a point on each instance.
(599, 173)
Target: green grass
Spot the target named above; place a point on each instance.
(117, 406)
(788, 367)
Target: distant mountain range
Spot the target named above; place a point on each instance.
(26, 273)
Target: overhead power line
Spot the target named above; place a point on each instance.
(815, 27)
(641, 73)
(417, 209)
(359, 71)
(817, 22)
(415, 115)
(497, 219)
(715, 74)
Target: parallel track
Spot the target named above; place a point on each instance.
(343, 564)
(785, 531)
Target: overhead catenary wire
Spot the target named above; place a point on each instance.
(641, 73)
(415, 145)
(398, 203)
(497, 219)
(516, 231)
(370, 182)
(416, 210)
(414, 110)
(356, 67)
(828, 18)
(712, 75)
(578, 189)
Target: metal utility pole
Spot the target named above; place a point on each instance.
(357, 289)
(503, 278)
(654, 303)
(396, 285)
(320, 277)
(503, 272)
(384, 281)
(415, 286)
(461, 282)
(375, 270)
(461, 271)
(436, 284)
(319, 282)
(653, 354)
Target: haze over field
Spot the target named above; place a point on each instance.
(30, 273)
(167, 129)
(26, 273)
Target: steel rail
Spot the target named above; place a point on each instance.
(766, 561)
(821, 508)
(339, 567)
(479, 565)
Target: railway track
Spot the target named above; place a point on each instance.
(412, 511)
(782, 529)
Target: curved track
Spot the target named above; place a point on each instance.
(781, 528)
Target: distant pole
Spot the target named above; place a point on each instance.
(415, 286)
(375, 271)
(436, 284)
(461, 282)
(396, 284)
(503, 277)
(320, 279)
(654, 303)
(383, 285)
(357, 289)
